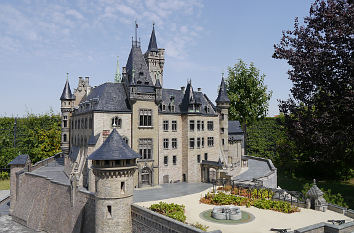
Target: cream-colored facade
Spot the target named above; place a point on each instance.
(180, 134)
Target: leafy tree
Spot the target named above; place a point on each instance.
(319, 114)
(247, 93)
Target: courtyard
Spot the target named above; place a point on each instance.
(263, 222)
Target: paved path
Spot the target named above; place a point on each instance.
(256, 169)
(166, 191)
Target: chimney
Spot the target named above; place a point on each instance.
(199, 89)
(183, 89)
(87, 80)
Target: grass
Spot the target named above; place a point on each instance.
(4, 184)
(346, 188)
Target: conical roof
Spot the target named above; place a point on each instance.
(222, 96)
(314, 191)
(136, 62)
(188, 97)
(114, 148)
(67, 95)
(152, 44)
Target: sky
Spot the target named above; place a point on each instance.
(42, 40)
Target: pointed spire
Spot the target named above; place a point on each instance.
(152, 44)
(222, 96)
(117, 77)
(67, 95)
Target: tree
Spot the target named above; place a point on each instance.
(319, 113)
(247, 93)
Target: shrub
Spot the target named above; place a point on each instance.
(171, 210)
(4, 176)
(200, 226)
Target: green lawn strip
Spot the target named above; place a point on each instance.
(4, 184)
(344, 188)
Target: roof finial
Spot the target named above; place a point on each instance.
(314, 181)
(117, 77)
(153, 25)
(67, 76)
(222, 74)
(136, 32)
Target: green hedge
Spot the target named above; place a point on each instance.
(171, 210)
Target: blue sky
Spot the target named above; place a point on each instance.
(40, 41)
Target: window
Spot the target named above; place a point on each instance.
(65, 121)
(191, 143)
(82, 123)
(203, 142)
(145, 117)
(109, 211)
(223, 141)
(174, 143)
(202, 125)
(210, 125)
(210, 141)
(64, 138)
(165, 160)
(116, 122)
(191, 125)
(172, 108)
(174, 160)
(198, 158)
(122, 187)
(125, 139)
(205, 156)
(85, 123)
(174, 125)
(222, 130)
(222, 116)
(198, 125)
(165, 125)
(198, 142)
(163, 107)
(145, 148)
(165, 143)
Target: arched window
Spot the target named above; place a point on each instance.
(116, 122)
(125, 139)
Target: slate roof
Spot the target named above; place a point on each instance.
(222, 96)
(74, 152)
(314, 191)
(93, 139)
(152, 44)
(175, 97)
(114, 148)
(67, 95)
(20, 160)
(110, 97)
(136, 62)
(235, 127)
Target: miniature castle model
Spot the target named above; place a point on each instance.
(180, 134)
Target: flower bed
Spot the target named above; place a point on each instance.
(261, 193)
(221, 198)
(171, 210)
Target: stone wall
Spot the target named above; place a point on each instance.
(336, 208)
(45, 205)
(147, 221)
(349, 213)
(324, 227)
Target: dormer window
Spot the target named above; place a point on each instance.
(163, 107)
(138, 82)
(172, 108)
(116, 122)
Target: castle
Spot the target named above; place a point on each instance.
(180, 134)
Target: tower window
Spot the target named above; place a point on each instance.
(222, 130)
(65, 138)
(222, 116)
(116, 122)
(122, 187)
(145, 116)
(174, 160)
(109, 211)
(223, 141)
(125, 139)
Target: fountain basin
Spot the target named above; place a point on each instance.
(226, 213)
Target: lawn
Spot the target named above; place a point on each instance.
(345, 188)
(4, 184)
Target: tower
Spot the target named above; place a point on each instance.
(155, 59)
(223, 104)
(67, 104)
(114, 164)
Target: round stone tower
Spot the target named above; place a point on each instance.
(67, 101)
(114, 164)
(223, 104)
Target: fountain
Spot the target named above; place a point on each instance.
(226, 213)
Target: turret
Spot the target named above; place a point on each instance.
(223, 104)
(114, 164)
(67, 103)
(155, 59)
